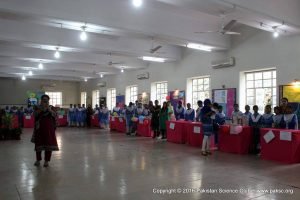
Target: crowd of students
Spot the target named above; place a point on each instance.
(20, 112)
(211, 115)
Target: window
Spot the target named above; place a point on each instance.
(199, 88)
(111, 98)
(96, 97)
(261, 88)
(83, 98)
(159, 91)
(55, 98)
(131, 94)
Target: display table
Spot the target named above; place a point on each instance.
(113, 121)
(121, 124)
(144, 128)
(284, 145)
(94, 121)
(195, 135)
(15, 122)
(177, 131)
(28, 121)
(235, 142)
(62, 120)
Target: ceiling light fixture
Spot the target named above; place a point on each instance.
(122, 70)
(153, 59)
(30, 73)
(275, 33)
(101, 75)
(57, 53)
(199, 47)
(23, 78)
(41, 66)
(137, 3)
(85, 80)
(83, 34)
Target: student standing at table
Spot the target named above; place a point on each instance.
(219, 121)
(83, 115)
(79, 115)
(146, 111)
(284, 102)
(189, 113)
(129, 115)
(163, 118)
(256, 122)
(104, 117)
(20, 116)
(237, 115)
(267, 117)
(138, 113)
(290, 119)
(155, 119)
(116, 110)
(170, 111)
(89, 113)
(74, 119)
(278, 121)
(100, 116)
(247, 115)
(207, 123)
(179, 111)
(200, 106)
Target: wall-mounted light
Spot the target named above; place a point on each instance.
(23, 78)
(30, 73)
(101, 75)
(85, 79)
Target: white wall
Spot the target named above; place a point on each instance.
(258, 50)
(14, 91)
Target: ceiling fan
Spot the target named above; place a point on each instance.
(225, 30)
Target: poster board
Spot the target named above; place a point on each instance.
(121, 100)
(144, 98)
(226, 98)
(176, 96)
(293, 94)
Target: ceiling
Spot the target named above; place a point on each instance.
(119, 34)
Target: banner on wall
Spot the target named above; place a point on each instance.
(226, 98)
(144, 98)
(176, 96)
(33, 98)
(121, 100)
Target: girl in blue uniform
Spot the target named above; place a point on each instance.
(79, 114)
(189, 113)
(267, 117)
(74, 117)
(219, 120)
(256, 122)
(100, 115)
(200, 106)
(70, 114)
(116, 110)
(278, 121)
(104, 117)
(179, 111)
(247, 115)
(84, 115)
(129, 114)
(290, 119)
(207, 123)
(146, 111)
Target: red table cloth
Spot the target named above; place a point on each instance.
(119, 125)
(195, 135)
(28, 121)
(94, 121)
(235, 143)
(177, 131)
(113, 122)
(15, 122)
(144, 128)
(62, 120)
(279, 149)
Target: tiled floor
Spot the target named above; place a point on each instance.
(94, 164)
